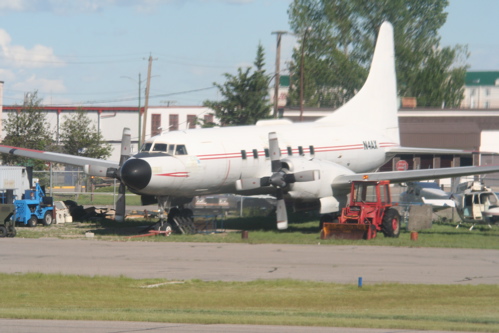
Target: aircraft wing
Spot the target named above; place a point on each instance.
(415, 175)
(94, 166)
(415, 150)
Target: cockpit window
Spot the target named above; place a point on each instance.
(180, 150)
(146, 146)
(171, 149)
(160, 147)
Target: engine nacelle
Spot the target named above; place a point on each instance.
(320, 188)
(95, 170)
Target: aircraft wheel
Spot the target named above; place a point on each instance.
(166, 227)
(391, 223)
(48, 219)
(32, 221)
(3, 231)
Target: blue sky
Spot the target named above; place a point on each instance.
(91, 51)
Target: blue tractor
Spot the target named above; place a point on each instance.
(34, 207)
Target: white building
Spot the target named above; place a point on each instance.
(481, 90)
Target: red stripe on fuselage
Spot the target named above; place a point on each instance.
(174, 174)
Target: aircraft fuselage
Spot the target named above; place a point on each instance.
(212, 160)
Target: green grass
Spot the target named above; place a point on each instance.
(262, 230)
(276, 302)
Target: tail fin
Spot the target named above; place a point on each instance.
(376, 103)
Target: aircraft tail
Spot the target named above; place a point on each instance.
(375, 105)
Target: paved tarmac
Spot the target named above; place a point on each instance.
(73, 326)
(246, 262)
(236, 262)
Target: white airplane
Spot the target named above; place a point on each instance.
(307, 164)
(428, 193)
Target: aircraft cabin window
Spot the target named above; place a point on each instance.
(255, 153)
(300, 150)
(290, 151)
(180, 150)
(267, 154)
(243, 154)
(312, 150)
(160, 147)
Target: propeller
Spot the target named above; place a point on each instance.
(124, 155)
(280, 178)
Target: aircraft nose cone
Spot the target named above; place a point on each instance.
(136, 173)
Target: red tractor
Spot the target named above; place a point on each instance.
(368, 211)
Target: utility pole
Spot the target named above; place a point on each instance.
(146, 104)
(277, 71)
(302, 71)
(140, 118)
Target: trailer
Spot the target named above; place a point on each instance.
(14, 180)
(34, 207)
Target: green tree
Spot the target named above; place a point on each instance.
(80, 137)
(245, 95)
(339, 47)
(28, 128)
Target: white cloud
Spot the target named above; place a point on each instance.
(21, 57)
(46, 86)
(14, 5)
(6, 75)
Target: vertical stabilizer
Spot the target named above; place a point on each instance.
(375, 105)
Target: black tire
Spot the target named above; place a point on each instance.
(11, 231)
(48, 218)
(3, 231)
(32, 221)
(391, 223)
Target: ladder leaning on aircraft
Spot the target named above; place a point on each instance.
(304, 164)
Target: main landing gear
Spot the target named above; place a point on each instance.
(175, 219)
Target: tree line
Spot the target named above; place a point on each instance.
(30, 128)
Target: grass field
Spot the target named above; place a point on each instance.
(263, 230)
(277, 302)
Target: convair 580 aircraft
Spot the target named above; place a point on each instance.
(308, 164)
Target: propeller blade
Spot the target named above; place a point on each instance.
(126, 143)
(275, 152)
(120, 204)
(302, 176)
(249, 184)
(282, 215)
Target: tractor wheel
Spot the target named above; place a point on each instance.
(11, 231)
(48, 219)
(391, 223)
(32, 221)
(3, 231)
